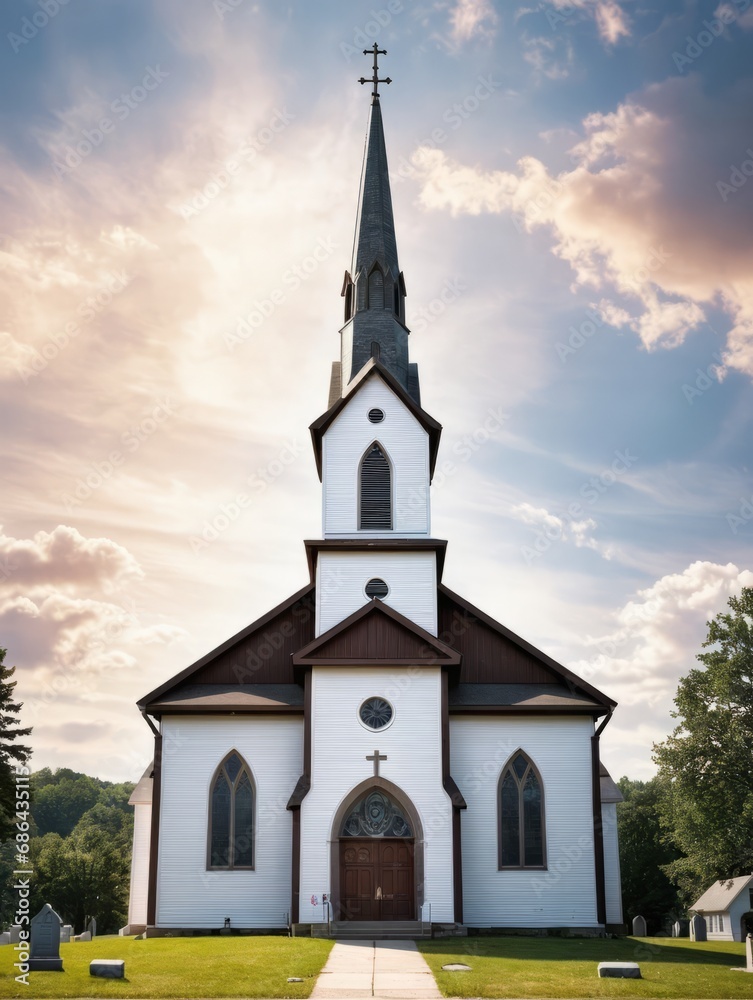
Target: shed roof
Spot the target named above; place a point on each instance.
(720, 895)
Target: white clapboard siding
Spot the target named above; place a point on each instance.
(137, 898)
(406, 445)
(188, 895)
(341, 743)
(612, 881)
(342, 576)
(565, 894)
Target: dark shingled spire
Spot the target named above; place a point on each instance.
(375, 224)
(374, 288)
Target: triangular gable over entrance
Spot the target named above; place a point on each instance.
(377, 635)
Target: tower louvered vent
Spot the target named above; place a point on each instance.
(376, 491)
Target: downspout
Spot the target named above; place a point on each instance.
(599, 867)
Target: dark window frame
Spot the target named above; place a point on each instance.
(390, 470)
(221, 770)
(520, 782)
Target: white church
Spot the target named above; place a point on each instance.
(375, 748)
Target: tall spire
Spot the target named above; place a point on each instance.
(374, 288)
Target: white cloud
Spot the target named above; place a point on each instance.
(64, 556)
(638, 213)
(554, 528)
(611, 21)
(473, 19)
(654, 643)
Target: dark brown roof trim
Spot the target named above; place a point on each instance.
(153, 696)
(571, 679)
(375, 368)
(315, 546)
(444, 655)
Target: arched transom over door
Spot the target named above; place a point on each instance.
(377, 871)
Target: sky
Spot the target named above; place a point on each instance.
(573, 194)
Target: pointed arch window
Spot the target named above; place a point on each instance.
(520, 802)
(232, 801)
(375, 491)
(376, 288)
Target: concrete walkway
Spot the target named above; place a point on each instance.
(387, 969)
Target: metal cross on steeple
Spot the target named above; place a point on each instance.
(375, 78)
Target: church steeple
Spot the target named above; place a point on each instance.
(374, 288)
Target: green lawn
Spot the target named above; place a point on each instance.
(178, 967)
(559, 967)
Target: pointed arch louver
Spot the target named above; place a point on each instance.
(375, 491)
(232, 804)
(520, 804)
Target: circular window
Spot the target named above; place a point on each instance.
(376, 588)
(376, 713)
(376, 416)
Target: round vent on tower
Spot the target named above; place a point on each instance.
(376, 713)
(377, 588)
(376, 416)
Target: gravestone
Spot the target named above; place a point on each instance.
(619, 970)
(92, 928)
(639, 926)
(108, 968)
(65, 934)
(86, 936)
(697, 928)
(5, 937)
(45, 941)
(15, 933)
(749, 953)
(680, 928)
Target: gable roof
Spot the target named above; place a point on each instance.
(377, 634)
(375, 369)
(721, 895)
(493, 654)
(258, 654)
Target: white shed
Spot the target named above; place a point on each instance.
(723, 904)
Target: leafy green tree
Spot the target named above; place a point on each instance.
(646, 889)
(705, 764)
(11, 752)
(59, 804)
(84, 875)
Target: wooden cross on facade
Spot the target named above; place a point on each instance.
(376, 757)
(375, 78)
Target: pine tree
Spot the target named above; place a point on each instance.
(11, 751)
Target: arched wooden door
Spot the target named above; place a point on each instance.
(377, 879)
(377, 869)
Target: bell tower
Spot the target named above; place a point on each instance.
(375, 446)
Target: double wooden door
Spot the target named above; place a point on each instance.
(376, 879)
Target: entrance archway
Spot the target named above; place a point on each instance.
(377, 854)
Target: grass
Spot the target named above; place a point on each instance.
(178, 967)
(561, 967)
